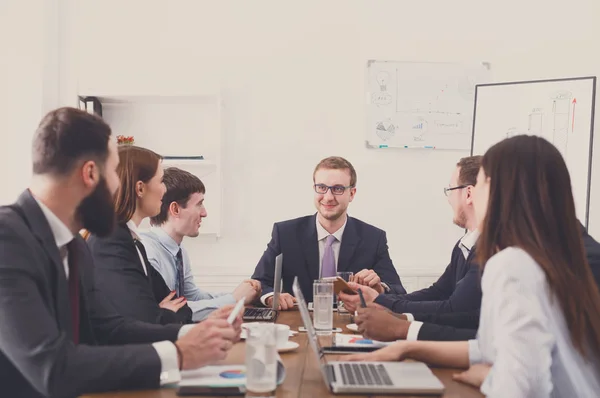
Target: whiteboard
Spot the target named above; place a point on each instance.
(560, 110)
(421, 104)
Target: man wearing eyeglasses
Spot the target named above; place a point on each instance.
(328, 242)
(458, 290)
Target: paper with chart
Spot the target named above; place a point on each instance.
(417, 105)
(559, 110)
(354, 340)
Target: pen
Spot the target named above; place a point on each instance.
(363, 304)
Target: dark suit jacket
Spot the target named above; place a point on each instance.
(120, 275)
(592, 249)
(463, 326)
(37, 354)
(362, 246)
(457, 290)
(454, 326)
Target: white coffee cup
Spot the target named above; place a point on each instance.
(282, 334)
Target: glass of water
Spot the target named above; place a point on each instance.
(261, 359)
(347, 276)
(323, 306)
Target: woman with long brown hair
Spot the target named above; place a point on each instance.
(539, 332)
(123, 272)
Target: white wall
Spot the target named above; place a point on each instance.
(292, 79)
(21, 89)
(35, 43)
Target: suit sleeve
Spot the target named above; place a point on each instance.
(47, 359)
(125, 286)
(466, 295)
(467, 320)
(385, 268)
(265, 269)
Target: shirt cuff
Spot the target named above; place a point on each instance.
(409, 317)
(475, 356)
(386, 288)
(413, 331)
(169, 367)
(264, 297)
(184, 329)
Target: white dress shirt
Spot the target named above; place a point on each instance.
(162, 251)
(466, 245)
(524, 336)
(62, 234)
(166, 350)
(322, 235)
(134, 233)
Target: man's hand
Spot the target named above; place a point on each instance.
(286, 301)
(368, 277)
(174, 305)
(256, 285)
(206, 343)
(352, 301)
(378, 324)
(245, 290)
(223, 313)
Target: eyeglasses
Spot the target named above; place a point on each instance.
(448, 189)
(336, 189)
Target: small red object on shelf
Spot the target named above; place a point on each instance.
(125, 140)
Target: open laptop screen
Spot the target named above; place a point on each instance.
(310, 330)
(277, 280)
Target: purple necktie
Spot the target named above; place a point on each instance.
(328, 268)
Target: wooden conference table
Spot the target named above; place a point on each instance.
(303, 378)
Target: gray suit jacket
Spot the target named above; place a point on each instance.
(37, 355)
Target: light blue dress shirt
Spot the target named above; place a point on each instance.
(524, 336)
(162, 254)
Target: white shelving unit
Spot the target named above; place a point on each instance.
(178, 126)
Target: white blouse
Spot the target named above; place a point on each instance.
(524, 336)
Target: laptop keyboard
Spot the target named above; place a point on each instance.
(258, 313)
(360, 374)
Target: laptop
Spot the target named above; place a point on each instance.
(368, 377)
(268, 314)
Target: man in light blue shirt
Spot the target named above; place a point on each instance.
(181, 215)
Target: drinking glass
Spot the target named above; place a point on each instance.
(261, 359)
(347, 276)
(323, 306)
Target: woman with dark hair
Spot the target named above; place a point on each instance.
(539, 332)
(123, 272)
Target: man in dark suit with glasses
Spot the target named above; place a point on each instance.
(328, 242)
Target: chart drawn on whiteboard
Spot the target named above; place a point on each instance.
(560, 110)
(421, 104)
(383, 97)
(385, 129)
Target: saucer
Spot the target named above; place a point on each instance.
(353, 327)
(289, 346)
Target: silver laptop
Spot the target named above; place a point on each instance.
(368, 377)
(268, 314)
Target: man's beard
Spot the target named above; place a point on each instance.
(461, 219)
(97, 212)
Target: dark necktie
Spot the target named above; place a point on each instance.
(74, 287)
(180, 275)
